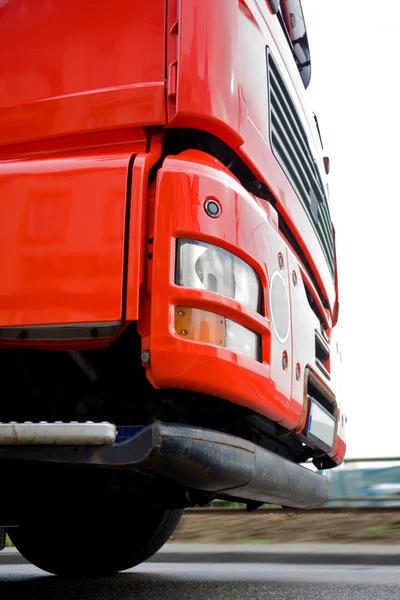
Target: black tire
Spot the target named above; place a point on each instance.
(95, 549)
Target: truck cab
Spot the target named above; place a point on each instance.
(169, 288)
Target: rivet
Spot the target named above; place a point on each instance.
(181, 313)
(145, 357)
(183, 332)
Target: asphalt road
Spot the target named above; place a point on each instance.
(171, 581)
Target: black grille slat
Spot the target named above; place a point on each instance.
(290, 146)
(279, 129)
(297, 174)
(326, 228)
(300, 185)
(294, 130)
(280, 116)
(284, 100)
(290, 164)
(327, 232)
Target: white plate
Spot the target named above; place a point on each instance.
(321, 424)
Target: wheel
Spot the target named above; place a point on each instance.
(96, 548)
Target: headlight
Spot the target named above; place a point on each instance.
(210, 328)
(207, 267)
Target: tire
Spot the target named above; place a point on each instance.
(95, 549)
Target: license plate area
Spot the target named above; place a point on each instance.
(321, 426)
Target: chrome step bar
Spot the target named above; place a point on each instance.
(57, 434)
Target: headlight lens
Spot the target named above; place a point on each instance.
(207, 267)
(210, 328)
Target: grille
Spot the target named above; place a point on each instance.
(290, 147)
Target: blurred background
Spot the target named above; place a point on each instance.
(355, 93)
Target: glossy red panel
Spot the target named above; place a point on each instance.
(62, 237)
(137, 243)
(183, 186)
(71, 66)
(208, 69)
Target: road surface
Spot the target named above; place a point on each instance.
(203, 581)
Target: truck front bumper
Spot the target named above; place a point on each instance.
(195, 458)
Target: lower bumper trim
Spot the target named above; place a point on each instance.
(61, 333)
(196, 458)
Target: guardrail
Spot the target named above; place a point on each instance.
(274, 510)
(372, 460)
(366, 499)
(365, 481)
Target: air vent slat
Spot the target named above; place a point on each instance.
(290, 163)
(281, 100)
(292, 135)
(290, 146)
(279, 128)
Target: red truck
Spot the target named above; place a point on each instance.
(168, 278)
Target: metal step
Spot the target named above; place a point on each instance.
(58, 433)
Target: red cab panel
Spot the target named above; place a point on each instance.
(72, 66)
(204, 68)
(62, 236)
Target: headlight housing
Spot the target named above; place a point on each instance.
(204, 266)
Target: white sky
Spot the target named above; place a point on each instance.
(355, 92)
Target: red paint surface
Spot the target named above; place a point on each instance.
(62, 236)
(81, 86)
